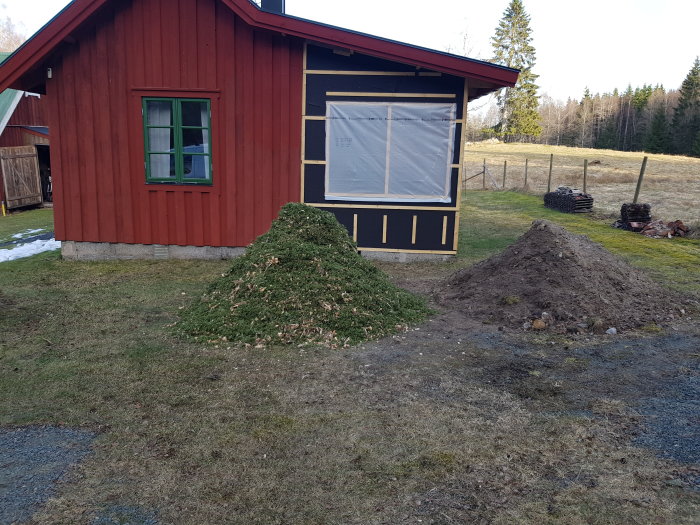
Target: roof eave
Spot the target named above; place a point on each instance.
(34, 51)
(500, 76)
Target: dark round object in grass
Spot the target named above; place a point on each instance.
(301, 283)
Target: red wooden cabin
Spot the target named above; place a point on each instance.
(180, 128)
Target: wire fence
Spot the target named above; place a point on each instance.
(499, 181)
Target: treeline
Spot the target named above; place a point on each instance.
(648, 118)
(634, 120)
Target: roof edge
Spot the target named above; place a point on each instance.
(46, 39)
(10, 111)
(361, 42)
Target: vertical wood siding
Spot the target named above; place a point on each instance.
(195, 48)
(31, 111)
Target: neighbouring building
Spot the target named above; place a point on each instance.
(25, 170)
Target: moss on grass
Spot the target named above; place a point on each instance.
(302, 282)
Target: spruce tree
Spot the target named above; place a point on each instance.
(686, 118)
(658, 140)
(512, 45)
(695, 152)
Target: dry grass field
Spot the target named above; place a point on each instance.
(671, 183)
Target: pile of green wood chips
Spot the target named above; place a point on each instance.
(301, 283)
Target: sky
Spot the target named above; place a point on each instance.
(599, 44)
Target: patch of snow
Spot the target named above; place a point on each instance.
(29, 249)
(26, 233)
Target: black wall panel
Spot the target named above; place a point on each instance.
(429, 225)
(318, 85)
(325, 58)
(399, 230)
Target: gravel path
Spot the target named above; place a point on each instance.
(32, 459)
(672, 422)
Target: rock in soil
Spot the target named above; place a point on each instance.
(569, 276)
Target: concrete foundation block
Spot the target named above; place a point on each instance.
(88, 251)
(104, 251)
(405, 257)
(132, 251)
(68, 250)
(204, 252)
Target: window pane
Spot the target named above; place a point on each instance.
(196, 167)
(195, 140)
(159, 113)
(162, 166)
(195, 114)
(161, 139)
(178, 140)
(355, 149)
(422, 137)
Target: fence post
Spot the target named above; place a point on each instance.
(549, 180)
(525, 186)
(639, 181)
(483, 184)
(585, 173)
(505, 166)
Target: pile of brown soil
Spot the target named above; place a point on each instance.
(566, 280)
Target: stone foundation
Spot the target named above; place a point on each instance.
(405, 257)
(105, 251)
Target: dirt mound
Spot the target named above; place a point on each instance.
(565, 280)
(301, 283)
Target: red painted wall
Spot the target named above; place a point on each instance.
(173, 48)
(31, 111)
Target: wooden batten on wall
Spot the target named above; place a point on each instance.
(410, 226)
(460, 173)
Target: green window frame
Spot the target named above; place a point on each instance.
(177, 137)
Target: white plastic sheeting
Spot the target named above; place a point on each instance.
(389, 151)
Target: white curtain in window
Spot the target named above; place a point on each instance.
(160, 114)
(204, 115)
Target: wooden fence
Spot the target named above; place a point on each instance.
(490, 181)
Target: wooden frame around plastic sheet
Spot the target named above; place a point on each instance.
(403, 227)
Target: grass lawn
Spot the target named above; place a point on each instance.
(18, 222)
(209, 434)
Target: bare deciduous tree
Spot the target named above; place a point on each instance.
(10, 36)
